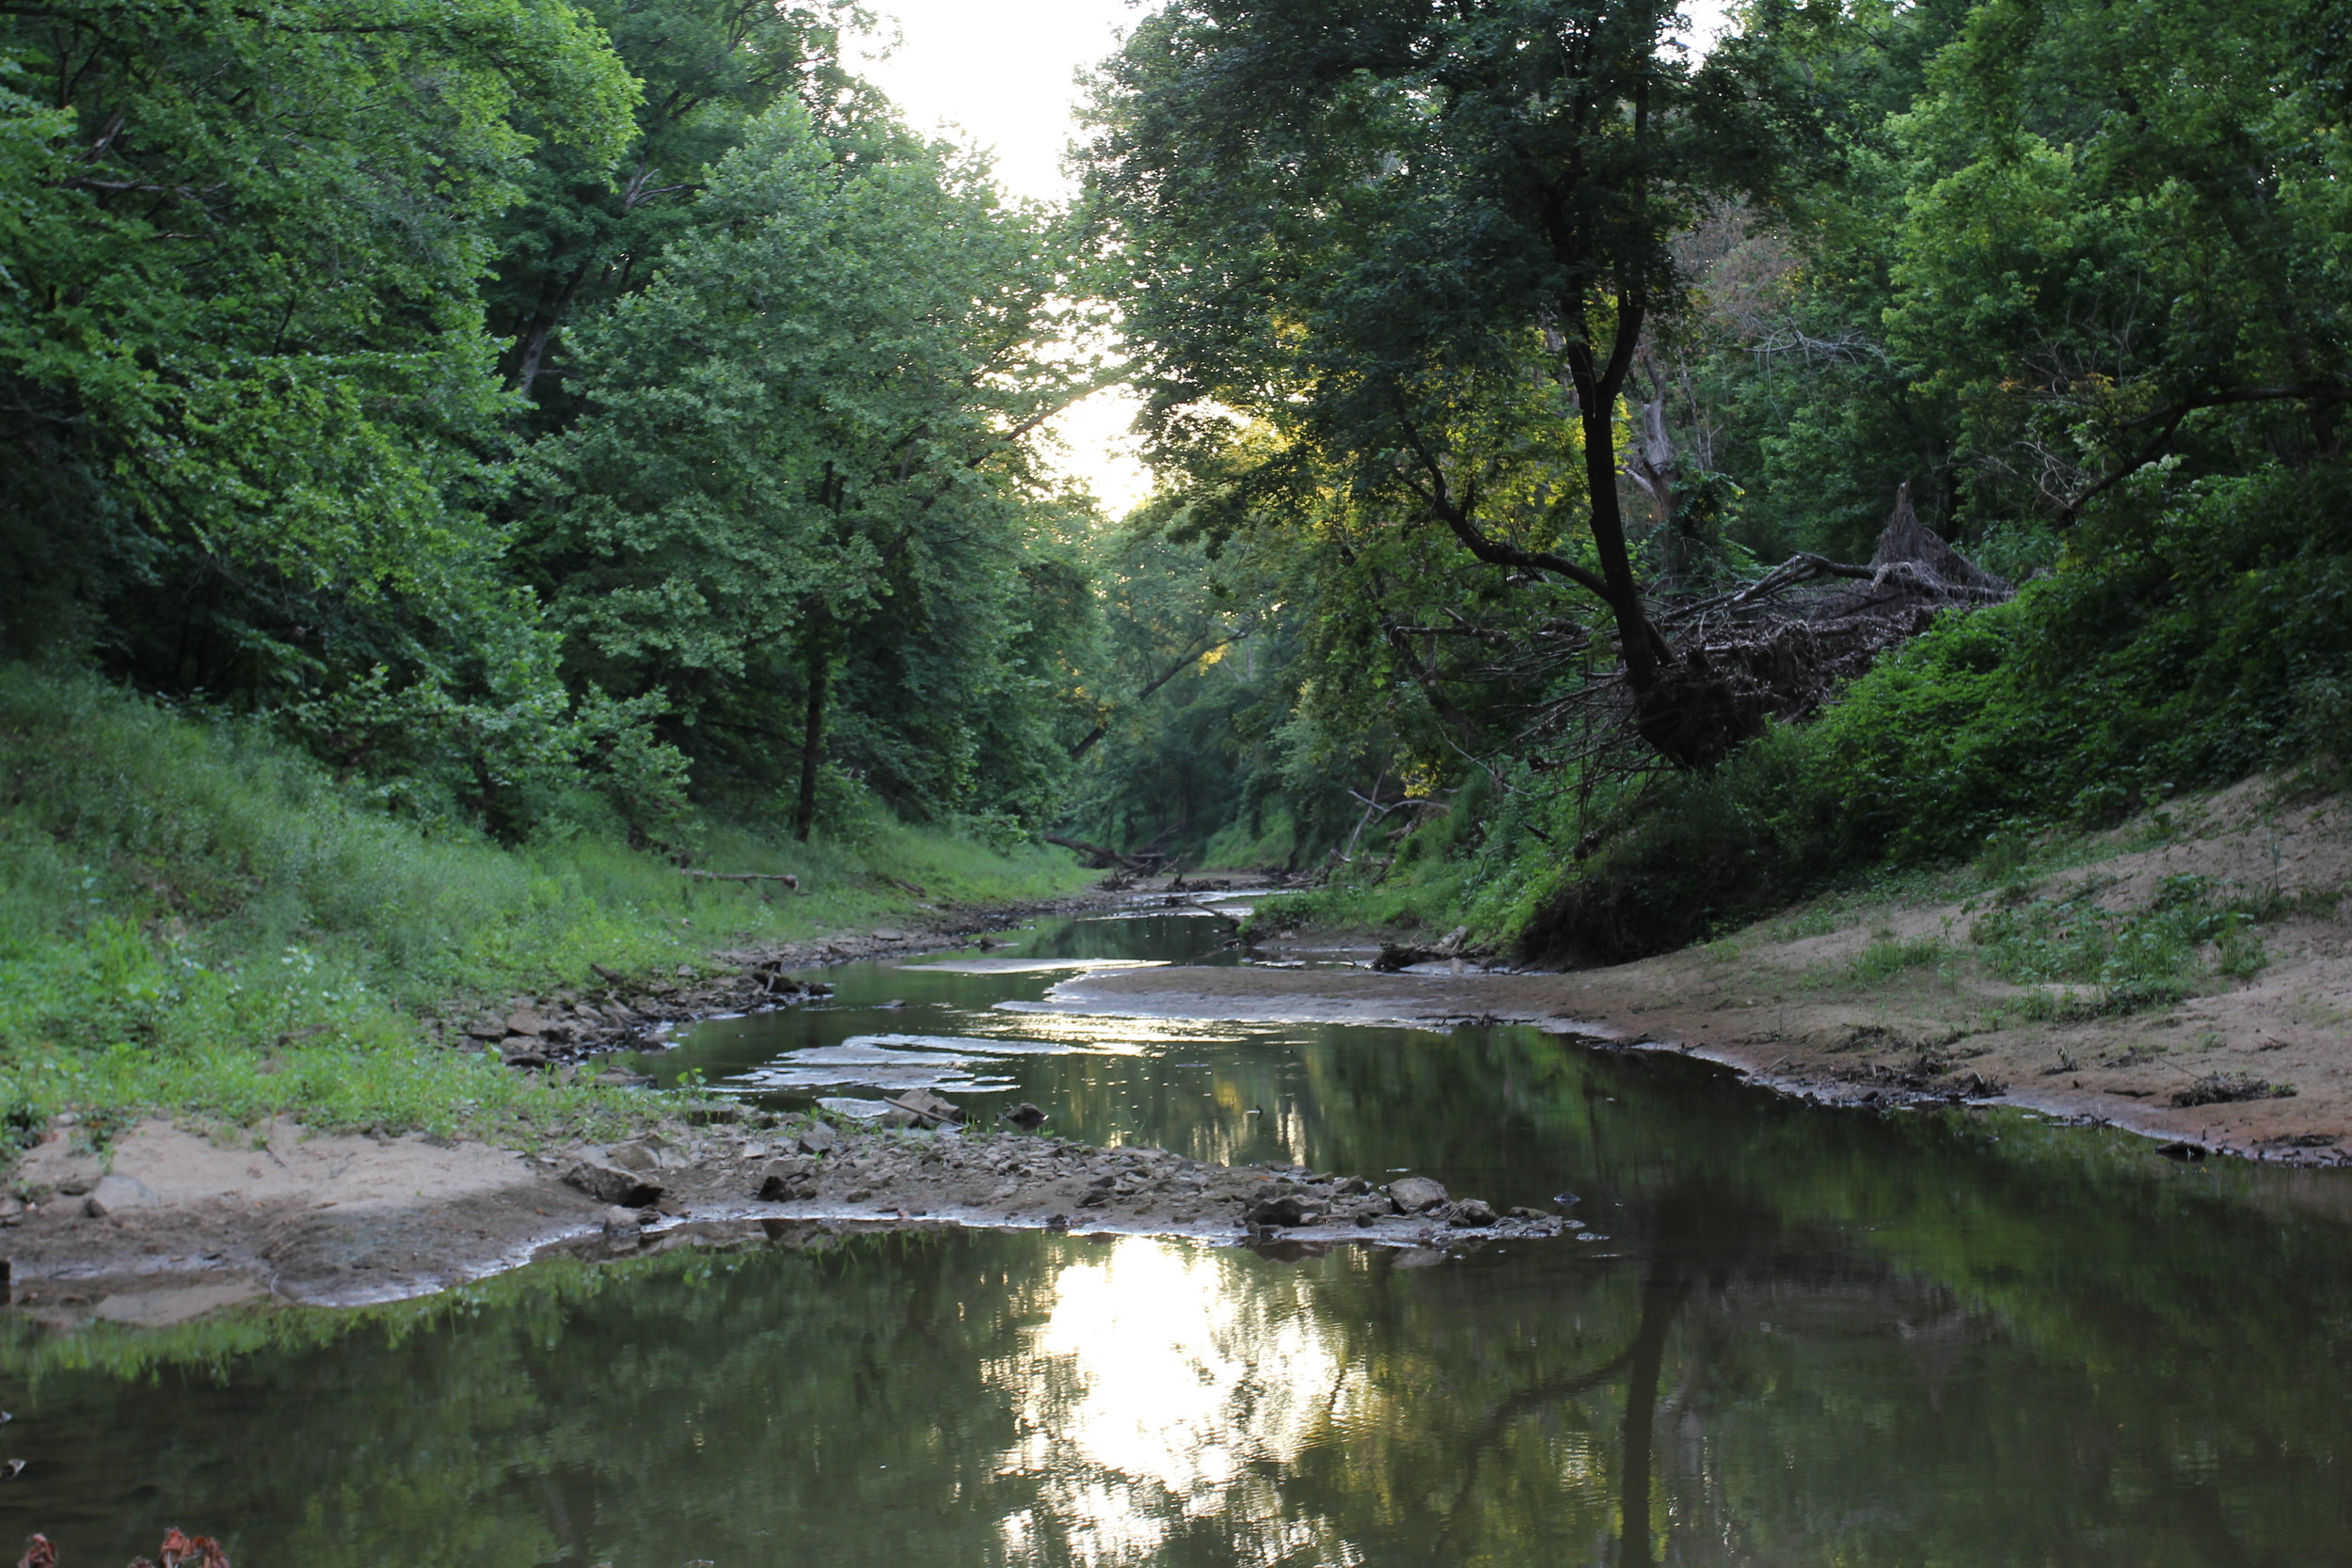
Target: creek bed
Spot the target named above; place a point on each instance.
(1809, 1336)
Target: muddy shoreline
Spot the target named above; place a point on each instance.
(1765, 1011)
(171, 1224)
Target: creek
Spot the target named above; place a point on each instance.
(1799, 1336)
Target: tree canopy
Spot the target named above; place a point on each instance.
(1423, 248)
(1508, 341)
(556, 412)
(512, 396)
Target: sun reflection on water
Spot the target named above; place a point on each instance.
(1153, 1392)
(1109, 1034)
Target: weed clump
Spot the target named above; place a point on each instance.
(2137, 958)
(1889, 957)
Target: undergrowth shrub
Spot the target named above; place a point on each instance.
(1889, 957)
(2174, 649)
(198, 916)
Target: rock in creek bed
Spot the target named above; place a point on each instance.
(1416, 1194)
(1012, 1177)
(613, 1184)
(1285, 1208)
(791, 1180)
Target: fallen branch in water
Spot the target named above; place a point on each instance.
(785, 876)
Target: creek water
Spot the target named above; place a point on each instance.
(1809, 1337)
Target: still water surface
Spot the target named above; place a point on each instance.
(1810, 1337)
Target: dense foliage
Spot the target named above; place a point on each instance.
(2075, 272)
(551, 416)
(537, 409)
(465, 457)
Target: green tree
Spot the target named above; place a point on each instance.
(240, 333)
(587, 230)
(804, 441)
(1423, 248)
(245, 377)
(2126, 242)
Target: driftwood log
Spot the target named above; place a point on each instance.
(785, 876)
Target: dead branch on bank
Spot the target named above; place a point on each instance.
(785, 876)
(1143, 862)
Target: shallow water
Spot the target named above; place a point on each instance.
(1811, 1337)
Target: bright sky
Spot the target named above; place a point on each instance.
(1004, 75)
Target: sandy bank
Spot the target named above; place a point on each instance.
(1792, 1001)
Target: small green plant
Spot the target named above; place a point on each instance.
(1888, 956)
(2008, 856)
(2238, 950)
(1001, 831)
(1816, 920)
(2137, 958)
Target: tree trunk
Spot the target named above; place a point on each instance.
(541, 327)
(1597, 389)
(1681, 705)
(1652, 468)
(1662, 1288)
(814, 650)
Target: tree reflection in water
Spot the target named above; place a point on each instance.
(1811, 1337)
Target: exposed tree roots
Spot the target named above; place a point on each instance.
(1779, 647)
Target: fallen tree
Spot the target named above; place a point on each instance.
(1778, 648)
(785, 876)
(1775, 649)
(1105, 858)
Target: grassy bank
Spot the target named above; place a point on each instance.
(196, 918)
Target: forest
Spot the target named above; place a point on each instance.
(1537, 402)
(1607, 489)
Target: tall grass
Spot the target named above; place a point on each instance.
(196, 916)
